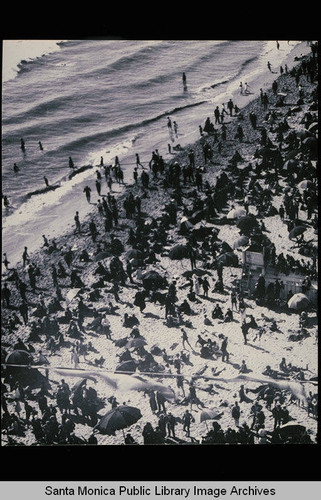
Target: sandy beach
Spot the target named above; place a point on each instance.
(258, 353)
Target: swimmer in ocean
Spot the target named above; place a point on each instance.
(16, 168)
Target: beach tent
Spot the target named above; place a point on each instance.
(228, 259)
(299, 302)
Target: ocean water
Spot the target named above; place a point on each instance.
(93, 98)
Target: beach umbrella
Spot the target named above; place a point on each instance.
(152, 280)
(313, 127)
(292, 154)
(78, 385)
(198, 272)
(178, 252)
(101, 256)
(228, 259)
(134, 254)
(290, 164)
(266, 152)
(311, 144)
(121, 342)
(197, 216)
(127, 366)
(297, 231)
(184, 224)
(310, 141)
(299, 302)
(235, 213)
(209, 414)
(71, 294)
(247, 223)
(121, 417)
(19, 357)
(291, 429)
(303, 134)
(305, 184)
(240, 242)
(135, 343)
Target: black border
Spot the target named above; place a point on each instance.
(149, 463)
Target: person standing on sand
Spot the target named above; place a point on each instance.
(25, 257)
(225, 354)
(230, 106)
(184, 81)
(236, 412)
(5, 261)
(87, 191)
(77, 223)
(71, 163)
(187, 420)
(265, 101)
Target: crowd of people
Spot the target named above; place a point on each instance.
(115, 262)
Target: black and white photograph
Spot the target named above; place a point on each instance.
(159, 243)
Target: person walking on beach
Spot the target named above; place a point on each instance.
(138, 163)
(22, 145)
(77, 223)
(175, 128)
(185, 340)
(71, 163)
(241, 88)
(269, 66)
(87, 192)
(184, 81)
(98, 186)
